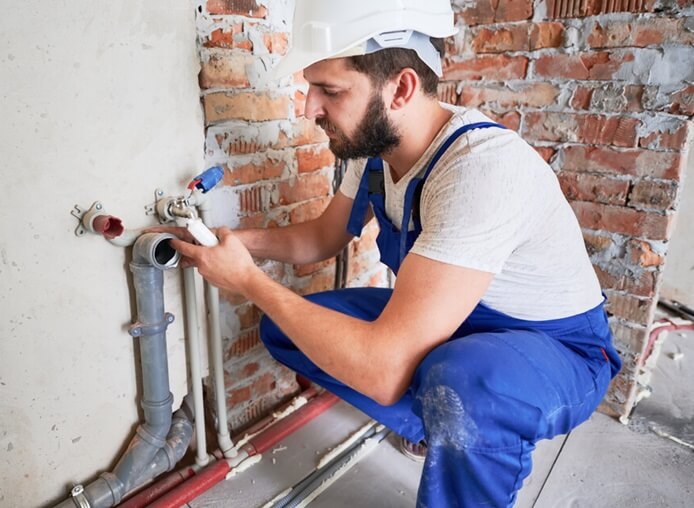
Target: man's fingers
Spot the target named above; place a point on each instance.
(186, 249)
(179, 232)
(222, 233)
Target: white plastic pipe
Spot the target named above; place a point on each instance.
(193, 333)
(215, 334)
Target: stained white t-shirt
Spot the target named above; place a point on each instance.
(492, 203)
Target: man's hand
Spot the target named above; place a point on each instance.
(227, 266)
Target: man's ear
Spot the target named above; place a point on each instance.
(403, 87)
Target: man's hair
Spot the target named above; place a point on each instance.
(387, 63)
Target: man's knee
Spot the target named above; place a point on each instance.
(462, 399)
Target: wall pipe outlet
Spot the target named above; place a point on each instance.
(161, 440)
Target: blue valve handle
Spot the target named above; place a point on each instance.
(206, 180)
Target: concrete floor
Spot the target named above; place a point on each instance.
(602, 463)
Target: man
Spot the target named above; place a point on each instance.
(494, 336)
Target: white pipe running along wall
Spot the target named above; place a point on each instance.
(215, 334)
(193, 333)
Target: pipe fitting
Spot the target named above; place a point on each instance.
(154, 249)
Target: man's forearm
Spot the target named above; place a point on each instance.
(341, 345)
(296, 244)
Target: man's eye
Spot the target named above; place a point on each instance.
(330, 93)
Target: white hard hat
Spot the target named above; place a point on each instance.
(328, 29)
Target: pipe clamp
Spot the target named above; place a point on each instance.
(138, 329)
(78, 497)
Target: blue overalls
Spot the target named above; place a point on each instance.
(483, 398)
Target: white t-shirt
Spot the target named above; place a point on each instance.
(493, 204)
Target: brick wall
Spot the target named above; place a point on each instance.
(279, 171)
(604, 91)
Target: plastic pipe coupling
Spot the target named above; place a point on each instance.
(154, 249)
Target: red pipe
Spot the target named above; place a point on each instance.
(307, 394)
(653, 336)
(188, 490)
(276, 433)
(158, 489)
(108, 225)
(213, 474)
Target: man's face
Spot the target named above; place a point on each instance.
(350, 110)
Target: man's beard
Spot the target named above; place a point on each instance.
(374, 136)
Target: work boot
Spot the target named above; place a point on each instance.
(414, 451)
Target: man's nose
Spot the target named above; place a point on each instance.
(313, 108)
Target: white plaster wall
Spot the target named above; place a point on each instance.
(98, 101)
(678, 279)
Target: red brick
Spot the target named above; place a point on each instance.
(639, 33)
(226, 39)
(253, 221)
(501, 38)
(511, 119)
(635, 162)
(360, 265)
(225, 70)
(494, 67)
(273, 269)
(248, 8)
(589, 129)
(625, 280)
(264, 385)
(253, 200)
(254, 172)
(249, 315)
(276, 42)
(309, 210)
(573, 9)
(304, 188)
(240, 146)
(613, 98)
(497, 11)
(299, 103)
(618, 219)
(586, 66)
(654, 195)
(581, 97)
(682, 101)
(447, 92)
(367, 240)
(303, 270)
(314, 158)
(597, 244)
(545, 152)
(630, 338)
(641, 253)
(668, 138)
(631, 308)
(546, 35)
(244, 343)
(258, 107)
(306, 132)
(599, 189)
(239, 396)
(315, 283)
(527, 94)
(250, 369)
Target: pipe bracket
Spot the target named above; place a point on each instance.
(138, 329)
(78, 497)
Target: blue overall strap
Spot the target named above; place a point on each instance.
(415, 182)
(361, 200)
